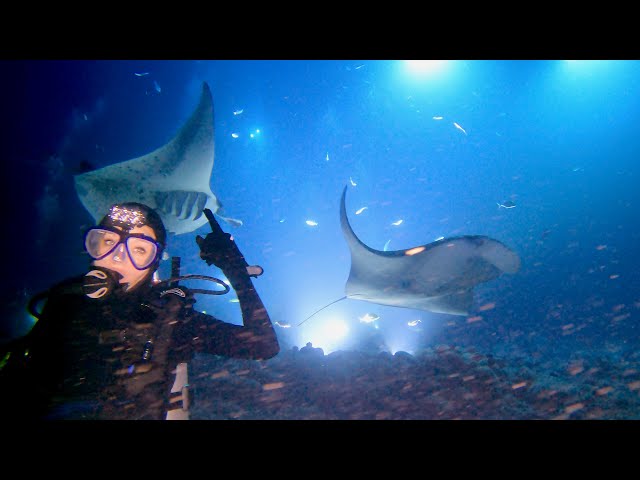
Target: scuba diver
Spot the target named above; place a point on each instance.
(115, 343)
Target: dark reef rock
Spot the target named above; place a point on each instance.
(443, 383)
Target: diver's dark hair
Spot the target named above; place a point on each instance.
(132, 214)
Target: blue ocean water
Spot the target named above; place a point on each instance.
(438, 149)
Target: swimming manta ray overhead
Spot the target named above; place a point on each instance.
(174, 179)
(437, 277)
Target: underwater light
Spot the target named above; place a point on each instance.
(327, 335)
(336, 329)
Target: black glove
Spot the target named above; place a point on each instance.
(218, 247)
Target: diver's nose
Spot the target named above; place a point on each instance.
(120, 254)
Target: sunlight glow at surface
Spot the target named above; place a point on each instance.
(425, 67)
(591, 67)
(421, 76)
(583, 85)
(586, 63)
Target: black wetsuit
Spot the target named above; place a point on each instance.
(116, 358)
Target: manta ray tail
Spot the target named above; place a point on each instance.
(318, 311)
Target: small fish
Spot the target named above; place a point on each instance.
(157, 87)
(282, 220)
(359, 67)
(282, 324)
(165, 255)
(438, 239)
(507, 204)
(235, 135)
(141, 74)
(352, 182)
(439, 118)
(234, 300)
(413, 323)
(327, 157)
(85, 117)
(368, 318)
(386, 246)
(360, 210)
(397, 222)
(311, 223)
(238, 112)
(459, 128)
(233, 221)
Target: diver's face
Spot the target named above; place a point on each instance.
(120, 262)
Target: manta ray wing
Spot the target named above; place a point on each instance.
(174, 179)
(437, 277)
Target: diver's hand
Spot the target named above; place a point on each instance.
(218, 247)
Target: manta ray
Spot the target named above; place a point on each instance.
(437, 277)
(174, 179)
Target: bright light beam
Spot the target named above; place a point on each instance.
(328, 335)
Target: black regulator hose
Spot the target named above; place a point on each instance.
(100, 282)
(225, 287)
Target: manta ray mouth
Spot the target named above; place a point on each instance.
(183, 205)
(174, 178)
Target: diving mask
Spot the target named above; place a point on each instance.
(141, 249)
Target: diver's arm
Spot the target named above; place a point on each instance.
(256, 338)
(255, 317)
